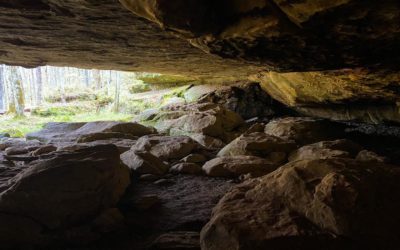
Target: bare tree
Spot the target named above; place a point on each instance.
(17, 105)
(2, 89)
(39, 86)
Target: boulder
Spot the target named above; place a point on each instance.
(16, 151)
(208, 142)
(234, 166)
(206, 118)
(187, 168)
(66, 190)
(369, 156)
(303, 130)
(256, 144)
(326, 149)
(310, 204)
(166, 147)
(87, 132)
(144, 162)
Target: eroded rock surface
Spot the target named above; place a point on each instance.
(310, 204)
(58, 195)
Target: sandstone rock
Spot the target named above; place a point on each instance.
(208, 142)
(256, 144)
(207, 118)
(16, 151)
(303, 130)
(187, 168)
(194, 158)
(68, 189)
(369, 156)
(246, 99)
(104, 136)
(144, 162)
(326, 149)
(309, 204)
(87, 132)
(146, 115)
(44, 150)
(166, 147)
(234, 166)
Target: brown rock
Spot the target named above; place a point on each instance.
(166, 147)
(234, 166)
(302, 130)
(326, 149)
(369, 156)
(309, 204)
(69, 189)
(256, 144)
(144, 162)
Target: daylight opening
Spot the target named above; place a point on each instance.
(29, 98)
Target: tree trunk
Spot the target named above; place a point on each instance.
(117, 90)
(2, 89)
(39, 86)
(97, 79)
(18, 104)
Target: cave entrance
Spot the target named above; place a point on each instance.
(29, 98)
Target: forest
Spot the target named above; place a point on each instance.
(31, 97)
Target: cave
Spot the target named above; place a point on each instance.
(288, 138)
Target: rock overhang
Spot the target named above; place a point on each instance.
(305, 53)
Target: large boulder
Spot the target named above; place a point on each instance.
(86, 132)
(234, 166)
(310, 204)
(326, 149)
(257, 144)
(166, 147)
(303, 130)
(64, 191)
(206, 118)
